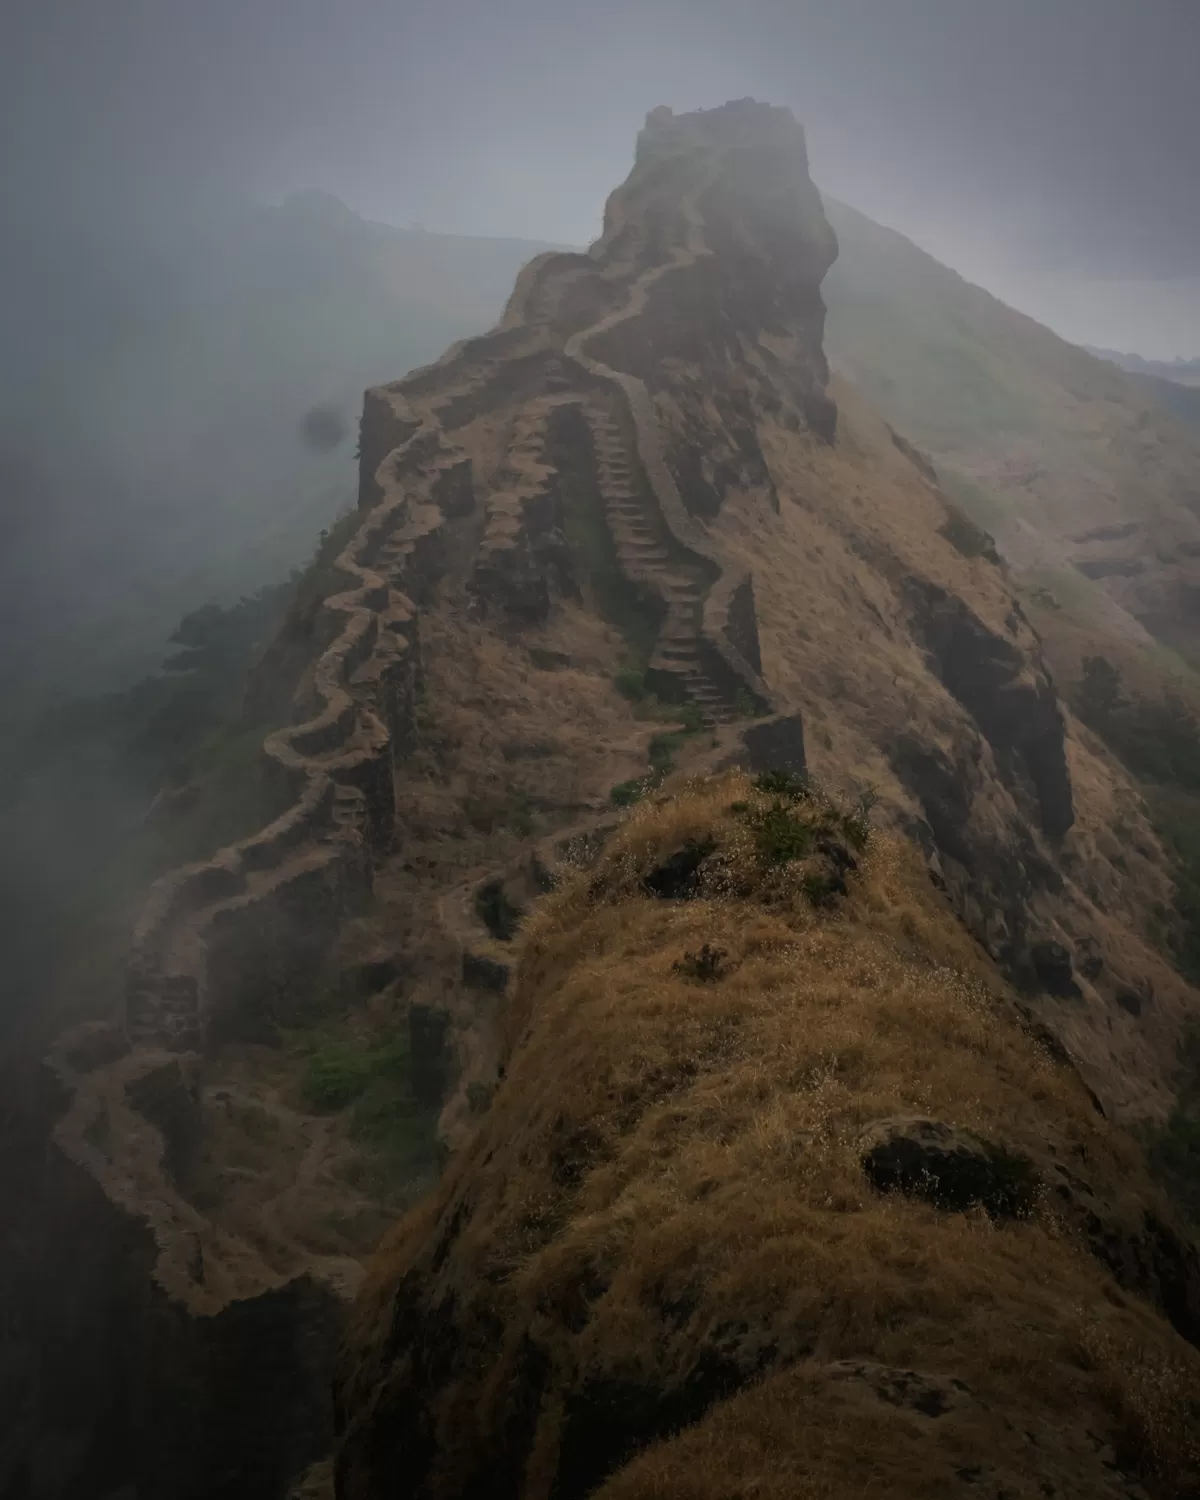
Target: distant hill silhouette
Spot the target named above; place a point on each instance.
(1174, 384)
(1181, 371)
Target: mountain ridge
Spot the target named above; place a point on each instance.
(629, 539)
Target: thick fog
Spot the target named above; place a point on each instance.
(1046, 149)
(172, 313)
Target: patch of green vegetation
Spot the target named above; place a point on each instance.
(1176, 817)
(661, 752)
(339, 1073)
(373, 1081)
(1157, 739)
(1070, 591)
(626, 793)
(630, 682)
(799, 820)
(780, 833)
(316, 582)
(389, 1121)
(479, 1096)
(665, 747)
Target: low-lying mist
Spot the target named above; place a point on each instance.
(178, 409)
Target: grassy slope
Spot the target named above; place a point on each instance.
(1039, 442)
(671, 1169)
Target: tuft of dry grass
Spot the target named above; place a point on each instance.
(670, 1175)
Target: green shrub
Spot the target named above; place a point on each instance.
(779, 834)
(626, 793)
(691, 717)
(664, 747)
(338, 1074)
(631, 684)
(661, 753)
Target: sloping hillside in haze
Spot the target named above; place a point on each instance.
(1182, 401)
(1178, 371)
(1087, 484)
(153, 382)
(628, 543)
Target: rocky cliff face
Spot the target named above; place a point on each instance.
(640, 486)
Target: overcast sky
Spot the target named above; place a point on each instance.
(1045, 147)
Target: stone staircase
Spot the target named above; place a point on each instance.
(336, 767)
(650, 557)
(249, 917)
(658, 542)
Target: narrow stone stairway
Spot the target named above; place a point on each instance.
(640, 540)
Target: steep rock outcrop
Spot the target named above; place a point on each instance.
(116, 1383)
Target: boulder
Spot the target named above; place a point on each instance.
(677, 878)
(776, 745)
(950, 1168)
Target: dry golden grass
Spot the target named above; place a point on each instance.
(838, 642)
(673, 1166)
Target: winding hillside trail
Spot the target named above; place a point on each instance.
(460, 489)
